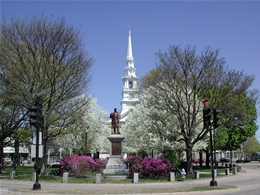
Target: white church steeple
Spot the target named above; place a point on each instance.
(129, 48)
(130, 90)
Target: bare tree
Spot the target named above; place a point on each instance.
(45, 57)
(177, 86)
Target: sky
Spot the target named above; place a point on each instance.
(233, 27)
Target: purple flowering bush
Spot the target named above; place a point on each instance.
(155, 168)
(149, 167)
(78, 166)
(134, 165)
(99, 165)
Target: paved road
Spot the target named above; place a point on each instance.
(248, 182)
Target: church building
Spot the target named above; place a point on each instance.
(130, 88)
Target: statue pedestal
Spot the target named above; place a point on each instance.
(115, 164)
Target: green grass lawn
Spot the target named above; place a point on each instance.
(25, 173)
(22, 170)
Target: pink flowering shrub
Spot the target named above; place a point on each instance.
(149, 167)
(134, 165)
(99, 165)
(155, 168)
(78, 166)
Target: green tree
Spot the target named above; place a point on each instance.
(251, 146)
(238, 122)
(12, 116)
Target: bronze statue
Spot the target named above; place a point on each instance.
(115, 121)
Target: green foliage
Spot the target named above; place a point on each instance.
(238, 120)
(172, 157)
(252, 146)
(239, 136)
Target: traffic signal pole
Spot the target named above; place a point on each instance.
(213, 182)
(36, 121)
(208, 126)
(231, 156)
(37, 185)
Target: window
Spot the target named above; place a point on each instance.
(130, 84)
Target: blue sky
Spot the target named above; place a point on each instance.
(231, 26)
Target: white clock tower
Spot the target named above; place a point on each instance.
(130, 89)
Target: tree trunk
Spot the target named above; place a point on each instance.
(45, 152)
(189, 158)
(16, 161)
(200, 158)
(207, 156)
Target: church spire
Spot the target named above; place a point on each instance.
(129, 48)
(129, 92)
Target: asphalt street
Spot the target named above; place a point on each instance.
(247, 181)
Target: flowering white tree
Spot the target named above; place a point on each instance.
(148, 128)
(173, 94)
(90, 133)
(96, 127)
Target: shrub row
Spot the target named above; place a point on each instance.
(78, 166)
(149, 167)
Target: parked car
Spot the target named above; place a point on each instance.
(53, 163)
(197, 160)
(25, 161)
(217, 160)
(223, 160)
(7, 161)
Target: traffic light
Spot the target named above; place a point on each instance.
(230, 141)
(206, 117)
(216, 122)
(36, 118)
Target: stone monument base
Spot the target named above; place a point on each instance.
(115, 164)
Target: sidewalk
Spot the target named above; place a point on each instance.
(107, 188)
